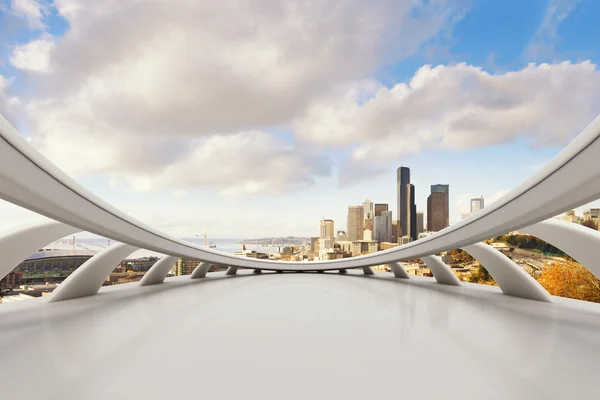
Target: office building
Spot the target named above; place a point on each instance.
(592, 213)
(382, 227)
(327, 230)
(368, 209)
(407, 210)
(420, 223)
(476, 204)
(379, 208)
(438, 208)
(356, 223)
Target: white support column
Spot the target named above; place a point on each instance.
(89, 277)
(368, 271)
(159, 271)
(231, 271)
(441, 272)
(200, 271)
(399, 271)
(18, 245)
(579, 242)
(511, 278)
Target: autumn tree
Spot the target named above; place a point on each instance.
(480, 275)
(572, 280)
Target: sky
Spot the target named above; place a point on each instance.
(257, 118)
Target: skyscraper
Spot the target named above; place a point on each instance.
(327, 231)
(379, 208)
(385, 231)
(420, 222)
(407, 210)
(356, 222)
(476, 204)
(368, 209)
(382, 227)
(438, 208)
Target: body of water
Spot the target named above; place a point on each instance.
(224, 245)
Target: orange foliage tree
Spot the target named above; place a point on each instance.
(572, 280)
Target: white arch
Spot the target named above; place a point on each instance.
(368, 271)
(87, 279)
(441, 272)
(579, 242)
(18, 245)
(158, 272)
(399, 271)
(511, 278)
(231, 271)
(40, 186)
(200, 271)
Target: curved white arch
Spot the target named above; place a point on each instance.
(89, 277)
(42, 187)
(398, 270)
(158, 272)
(200, 271)
(18, 245)
(231, 271)
(579, 242)
(511, 278)
(368, 271)
(441, 272)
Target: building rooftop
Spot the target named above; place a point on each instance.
(300, 336)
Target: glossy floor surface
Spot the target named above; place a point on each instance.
(299, 336)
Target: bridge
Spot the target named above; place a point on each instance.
(345, 332)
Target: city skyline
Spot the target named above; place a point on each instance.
(308, 128)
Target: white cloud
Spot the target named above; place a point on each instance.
(8, 103)
(545, 38)
(143, 86)
(33, 56)
(228, 65)
(32, 10)
(456, 107)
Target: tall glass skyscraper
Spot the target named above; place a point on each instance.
(407, 210)
(438, 208)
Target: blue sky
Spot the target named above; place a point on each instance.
(192, 119)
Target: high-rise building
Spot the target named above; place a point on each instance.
(382, 227)
(327, 231)
(385, 232)
(356, 222)
(368, 209)
(438, 208)
(420, 222)
(476, 204)
(407, 210)
(379, 208)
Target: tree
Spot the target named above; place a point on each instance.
(480, 275)
(572, 280)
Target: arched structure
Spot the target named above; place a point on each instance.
(441, 272)
(87, 279)
(18, 245)
(157, 273)
(40, 186)
(399, 271)
(579, 242)
(511, 278)
(200, 271)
